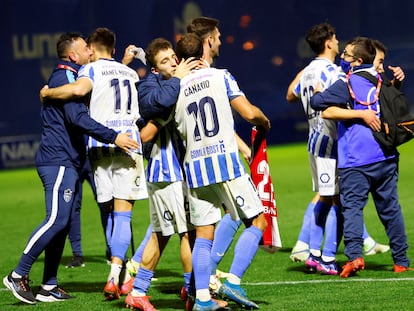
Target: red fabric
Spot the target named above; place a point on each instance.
(260, 172)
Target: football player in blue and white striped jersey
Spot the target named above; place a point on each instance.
(167, 190)
(214, 171)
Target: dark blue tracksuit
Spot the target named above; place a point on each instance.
(364, 168)
(61, 155)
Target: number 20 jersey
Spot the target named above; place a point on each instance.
(114, 99)
(205, 121)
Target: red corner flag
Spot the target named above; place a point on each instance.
(259, 168)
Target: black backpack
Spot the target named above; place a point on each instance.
(397, 123)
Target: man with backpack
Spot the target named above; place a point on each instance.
(364, 166)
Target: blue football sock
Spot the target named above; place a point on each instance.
(224, 235)
(140, 250)
(331, 239)
(109, 228)
(142, 281)
(365, 234)
(245, 250)
(201, 262)
(320, 212)
(121, 236)
(304, 234)
(187, 281)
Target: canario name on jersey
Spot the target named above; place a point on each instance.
(205, 121)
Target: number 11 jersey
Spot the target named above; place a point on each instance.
(114, 99)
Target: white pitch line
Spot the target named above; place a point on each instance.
(327, 281)
(310, 282)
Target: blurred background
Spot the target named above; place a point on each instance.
(263, 46)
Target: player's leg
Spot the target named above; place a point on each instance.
(74, 234)
(372, 247)
(133, 264)
(333, 234)
(247, 245)
(120, 178)
(57, 217)
(327, 187)
(120, 240)
(163, 198)
(205, 212)
(354, 196)
(300, 252)
(226, 229)
(385, 196)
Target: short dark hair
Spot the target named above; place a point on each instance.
(156, 45)
(190, 45)
(363, 48)
(380, 46)
(65, 41)
(202, 26)
(317, 36)
(103, 38)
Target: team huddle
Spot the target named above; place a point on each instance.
(180, 119)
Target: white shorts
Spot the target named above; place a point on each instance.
(324, 175)
(239, 196)
(119, 176)
(169, 211)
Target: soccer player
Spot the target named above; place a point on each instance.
(60, 157)
(322, 150)
(169, 213)
(119, 178)
(363, 165)
(214, 171)
(322, 142)
(207, 29)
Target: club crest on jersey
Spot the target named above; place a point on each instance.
(240, 201)
(67, 195)
(324, 178)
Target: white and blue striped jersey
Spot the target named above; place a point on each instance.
(164, 164)
(114, 98)
(204, 119)
(322, 140)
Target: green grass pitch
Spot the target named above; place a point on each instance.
(273, 281)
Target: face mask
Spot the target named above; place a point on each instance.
(346, 66)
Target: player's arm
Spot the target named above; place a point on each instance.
(69, 91)
(249, 112)
(290, 94)
(149, 131)
(369, 116)
(78, 116)
(243, 148)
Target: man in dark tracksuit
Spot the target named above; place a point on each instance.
(61, 155)
(363, 165)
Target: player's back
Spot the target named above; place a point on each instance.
(205, 121)
(322, 132)
(114, 95)
(114, 98)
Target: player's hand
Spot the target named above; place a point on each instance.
(125, 142)
(185, 67)
(371, 119)
(128, 55)
(43, 92)
(397, 72)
